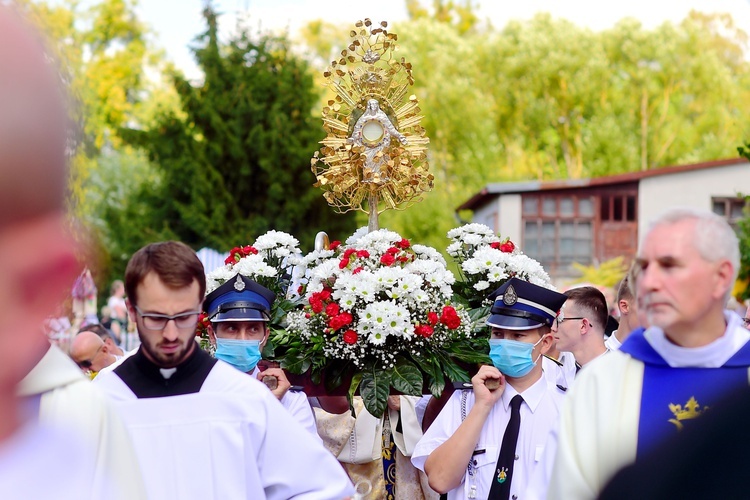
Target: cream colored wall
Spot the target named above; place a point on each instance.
(510, 217)
(692, 189)
(503, 215)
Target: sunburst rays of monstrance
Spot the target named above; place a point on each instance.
(374, 157)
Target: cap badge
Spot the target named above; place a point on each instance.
(239, 285)
(510, 296)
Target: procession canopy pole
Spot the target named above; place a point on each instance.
(372, 222)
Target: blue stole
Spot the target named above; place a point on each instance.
(672, 397)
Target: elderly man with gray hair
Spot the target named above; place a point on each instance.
(692, 355)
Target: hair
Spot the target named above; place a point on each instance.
(591, 301)
(176, 264)
(98, 329)
(116, 284)
(713, 237)
(625, 291)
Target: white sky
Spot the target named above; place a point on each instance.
(176, 22)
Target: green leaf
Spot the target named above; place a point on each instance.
(335, 375)
(406, 377)
(297, 364)
(454, 372)
(374, 390)
(356, 379)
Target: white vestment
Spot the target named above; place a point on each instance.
(227, 437)
(40, 462)
(598, 432)
(68, 399)
(297, 405)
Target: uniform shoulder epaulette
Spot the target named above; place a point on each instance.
(462, 386)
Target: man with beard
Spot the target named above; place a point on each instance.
(201, 428)
(626, 404)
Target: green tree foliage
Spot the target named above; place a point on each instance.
(234, 162)
(743, 234)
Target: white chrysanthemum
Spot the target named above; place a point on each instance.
(428, 253)
(408, 283)
(353, 284)
(219, 276)
(496, 273)
(273, 239)
(254, 265)
(419, 296)
(472, 239)
(482, 285)
(355, 237)
(347, 301)
(387, 277)
(454, 248)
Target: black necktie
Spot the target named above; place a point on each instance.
(504, 469)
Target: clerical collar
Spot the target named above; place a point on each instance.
(146, 379)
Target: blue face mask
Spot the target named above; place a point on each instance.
(242, 354)
(511, 357)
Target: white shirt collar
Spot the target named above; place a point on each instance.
(712, 355)
(531, 396)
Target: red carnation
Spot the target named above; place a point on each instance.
(450, 318)
(495, 245)
(350, 337)
(325, 294)
(392, 251)
(404, 243)
(316, 304)
(507, 247)
(432, 317)
(387, 259)
(363, 254)
(349, 252)
(334, 245)
(358, 270)
(425, 331)
(332, 309)
(340, 320)
(343, 263)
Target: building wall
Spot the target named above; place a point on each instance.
(692, 189)
(488, 214)
(510, 217)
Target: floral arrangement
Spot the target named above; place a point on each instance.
(269, 261)
(485, 262)
(378, 309)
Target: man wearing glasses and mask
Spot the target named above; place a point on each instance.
(201, 428)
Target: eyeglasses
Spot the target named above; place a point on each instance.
(560, 319)
(86, 363)
(157, 322)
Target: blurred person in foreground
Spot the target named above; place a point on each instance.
(693, 354)
(58, 436)
(201, 428)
